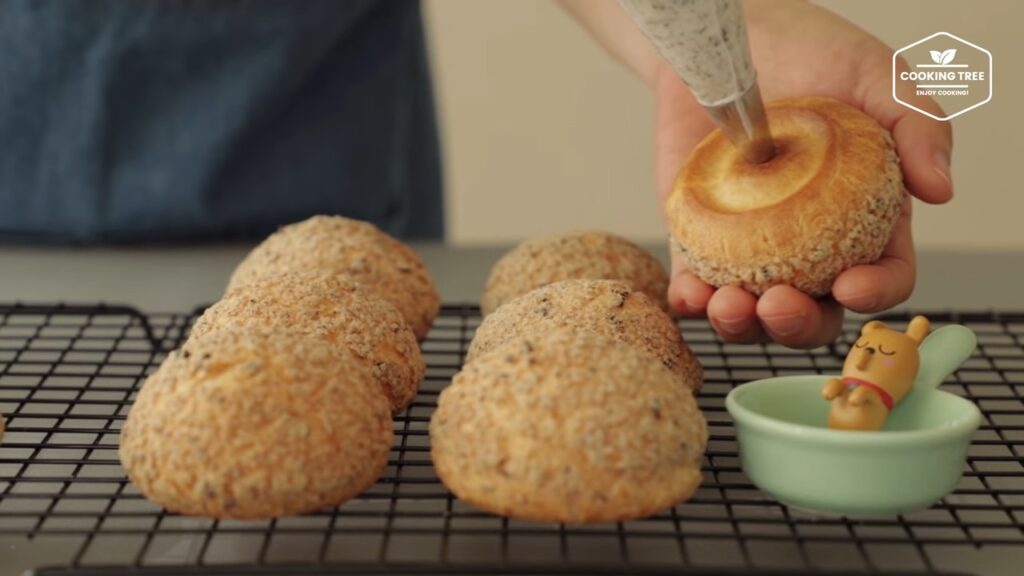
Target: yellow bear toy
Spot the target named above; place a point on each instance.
(878, 372)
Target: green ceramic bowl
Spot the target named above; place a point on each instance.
(788, 451)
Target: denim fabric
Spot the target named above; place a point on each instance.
(127, 121)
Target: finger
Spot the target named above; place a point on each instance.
(924, 145)
(794, 319)
(733, 313)
(883, 284)
(688, 295)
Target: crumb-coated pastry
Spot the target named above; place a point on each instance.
(338, 311)
(356, 251)
(829, 200)
(256, 424)
(569, 427)
(610, 308)
(593, 255)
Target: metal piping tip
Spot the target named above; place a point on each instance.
(744, 121)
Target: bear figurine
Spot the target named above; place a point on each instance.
(879, 371)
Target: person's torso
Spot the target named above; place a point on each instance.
(155, 120)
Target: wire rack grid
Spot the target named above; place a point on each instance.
(68, 375)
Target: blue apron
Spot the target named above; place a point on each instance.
(181, 120)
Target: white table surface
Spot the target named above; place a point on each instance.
(178, 279)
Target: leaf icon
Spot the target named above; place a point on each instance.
(948, 56)
(936, 56)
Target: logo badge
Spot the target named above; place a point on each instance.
(954, 72)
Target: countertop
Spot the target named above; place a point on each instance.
(179, 279)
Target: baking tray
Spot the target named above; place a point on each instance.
(68, 374)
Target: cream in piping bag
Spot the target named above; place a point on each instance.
(705, 42)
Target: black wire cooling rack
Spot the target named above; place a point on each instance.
(68, 375)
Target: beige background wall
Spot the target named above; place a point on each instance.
(543, 132)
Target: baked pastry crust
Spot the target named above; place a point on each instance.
(610, 308)
(828, 201)
(579, 255)
(568, 427)
(339, 312)
(241, 424)
(353, 250)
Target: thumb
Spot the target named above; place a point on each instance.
(925, 148)
(924, 145)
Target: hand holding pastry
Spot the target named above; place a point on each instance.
(829, 58)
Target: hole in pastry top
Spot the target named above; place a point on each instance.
(722, 180)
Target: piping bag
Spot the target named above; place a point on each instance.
(705, 42)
